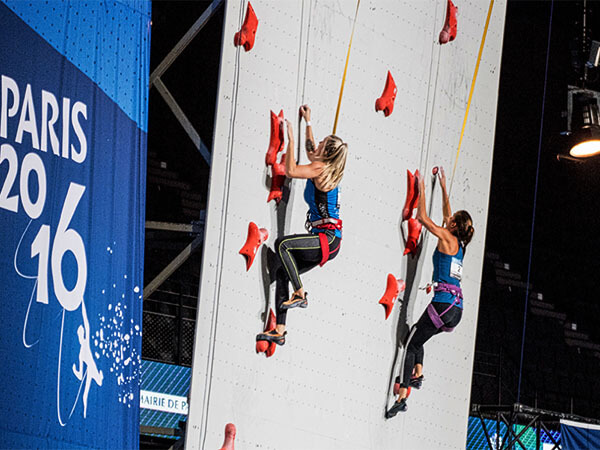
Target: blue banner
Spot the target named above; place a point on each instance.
(73, 104)
(579, 436)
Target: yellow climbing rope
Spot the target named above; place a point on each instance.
(462, 132)
(337, 112)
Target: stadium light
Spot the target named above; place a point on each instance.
(586, 121)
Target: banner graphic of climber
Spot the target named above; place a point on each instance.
(73, 126)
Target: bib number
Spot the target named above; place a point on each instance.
(456, 269)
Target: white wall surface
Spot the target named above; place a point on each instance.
(328, 387)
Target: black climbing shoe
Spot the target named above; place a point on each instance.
(400, 406)
(416, 382)
(296, 301)
(272, 336)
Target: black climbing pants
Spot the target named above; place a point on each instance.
(297, 254)
(424, 330)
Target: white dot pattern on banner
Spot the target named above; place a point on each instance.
(115, 337)
(106, 40)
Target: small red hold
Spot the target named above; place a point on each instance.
(391, 292)
(385, 103)
(276, 141)
(401, 285)
(397, 390)
(247, 34)
(255, 239)
(277, 180)
(414, 231)
(434, 171)
(412, 194)
(228, 443)
(448, 33)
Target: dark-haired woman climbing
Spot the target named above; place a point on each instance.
(301, 252)
(445, 310)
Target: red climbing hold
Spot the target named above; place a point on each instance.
(412, 194)
(434, 171)
(414, 231)
(276, 142)
(247, 34)
(255, 239)
(277, 180)
(391, 292)
(397, 390)
(261, 346)
(448, 33)
(401, 285)
(385, 103)
(228, 443)
(271, 349)
(268, 347)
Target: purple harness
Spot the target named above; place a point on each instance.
(436, 317)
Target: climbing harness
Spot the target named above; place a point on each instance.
(328, 223)
(436, 317)
(337, 111)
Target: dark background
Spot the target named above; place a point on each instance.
(561, 362)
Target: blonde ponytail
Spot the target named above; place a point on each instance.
(334, 158)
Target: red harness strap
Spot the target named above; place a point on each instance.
(324, 248)
(325, 224)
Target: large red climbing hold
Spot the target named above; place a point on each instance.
(255, 239)
(276, 142)
(392, 290)
(265, 347)
(229, 442)
(385, 103)
(448, 33)
(277, 180)
(414, 231)
(412, 194)
(247, 34)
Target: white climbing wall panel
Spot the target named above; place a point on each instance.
(327, 388)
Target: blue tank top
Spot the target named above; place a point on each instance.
(322, 205)
(447, 269)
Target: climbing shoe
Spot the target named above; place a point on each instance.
(400, 406)
(416, 382)
(295, 301)
(272, 336)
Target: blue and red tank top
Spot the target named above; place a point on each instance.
(447, 269)
(322, 205)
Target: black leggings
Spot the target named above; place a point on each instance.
(424, 330)
(297, 254)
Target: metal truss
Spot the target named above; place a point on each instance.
(195, 228)
(156, 81)
(519, 414)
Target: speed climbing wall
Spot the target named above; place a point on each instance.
(329, 385)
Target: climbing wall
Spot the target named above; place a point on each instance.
(328, 387)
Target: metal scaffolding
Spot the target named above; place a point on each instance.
(539, 420)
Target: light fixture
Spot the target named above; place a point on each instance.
(585, 125)
(583, 118)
